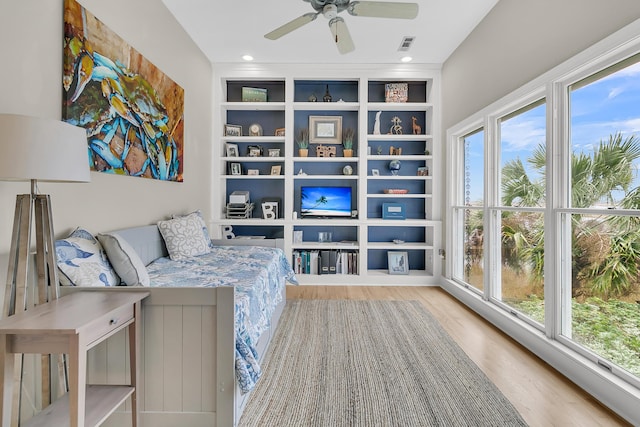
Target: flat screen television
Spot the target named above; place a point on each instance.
(325, 202)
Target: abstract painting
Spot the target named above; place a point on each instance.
(133, 112)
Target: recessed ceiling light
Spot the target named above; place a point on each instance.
(247, 57)
(406, 59)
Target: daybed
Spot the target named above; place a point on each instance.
(191, 333)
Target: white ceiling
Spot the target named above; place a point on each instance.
(227, 30)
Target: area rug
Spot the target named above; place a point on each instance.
(370, 363)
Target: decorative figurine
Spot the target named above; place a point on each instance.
(379, 150)
(327, 96)
(376, 124)
(396, 129)
(313, 97)
(417, 130)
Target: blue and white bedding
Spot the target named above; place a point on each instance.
(258, 275)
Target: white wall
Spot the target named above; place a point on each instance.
(31, 84)
(518, 41)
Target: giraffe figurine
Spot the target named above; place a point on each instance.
(417, 130)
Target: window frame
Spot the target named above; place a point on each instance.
(553, 86)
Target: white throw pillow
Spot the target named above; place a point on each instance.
(82, 261)
(205, 230)
(125, 260)
(184, 237)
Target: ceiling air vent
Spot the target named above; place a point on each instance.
(407, 41)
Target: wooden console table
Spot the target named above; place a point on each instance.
(72, 325)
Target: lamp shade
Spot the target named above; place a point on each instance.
(42, 149)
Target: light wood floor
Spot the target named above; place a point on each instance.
(541, 395)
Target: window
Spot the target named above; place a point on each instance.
(603, 219)
(469, 210)
(544, 208)
(520, 209)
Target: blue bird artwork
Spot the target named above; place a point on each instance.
(66, 252)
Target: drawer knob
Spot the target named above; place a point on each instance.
(113, 321)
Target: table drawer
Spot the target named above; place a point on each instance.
(109, 323)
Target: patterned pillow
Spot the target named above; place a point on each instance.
(125, 260)
(82, 262)
(205, 230)
(184, 237)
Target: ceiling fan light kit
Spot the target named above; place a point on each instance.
(330, 10)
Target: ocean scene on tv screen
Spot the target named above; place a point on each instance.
(325, 201)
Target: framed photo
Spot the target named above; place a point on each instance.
(325, 129)
(232, 150)
(279, 132)
(232, 130)
(236, 169)
(423, 171)
(254, 94)
(276, 169)
(396, 92)
(253, 172)
(375, 172)
(398, 262)
(254, 151)
(274, 152)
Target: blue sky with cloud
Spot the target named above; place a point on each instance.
(599, 109)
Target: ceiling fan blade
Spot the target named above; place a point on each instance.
(341, 35)
(383, 9)
(291, 25)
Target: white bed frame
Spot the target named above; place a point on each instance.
(188, 349)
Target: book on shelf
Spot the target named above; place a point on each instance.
(325, 262)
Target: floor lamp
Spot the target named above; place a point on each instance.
(36, 149)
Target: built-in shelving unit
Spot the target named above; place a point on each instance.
(270, 167)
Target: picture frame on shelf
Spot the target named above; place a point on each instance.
(280, 132)
(274, 152)
(253, 172)
(254, 94)
(232, 130)
(396, 92)
(232, 150)
(236, 169)
(422, 171)
(276, 169)
(398, 262)
(375, 172)
(254, 151)
(325, 129)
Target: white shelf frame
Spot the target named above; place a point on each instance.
(291, 162)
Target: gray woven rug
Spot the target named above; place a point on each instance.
(370, 363)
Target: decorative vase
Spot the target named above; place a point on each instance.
(303, 152)
(327, 96)
(347, 152)
(394, 166)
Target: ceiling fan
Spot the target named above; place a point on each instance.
(330, 10)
